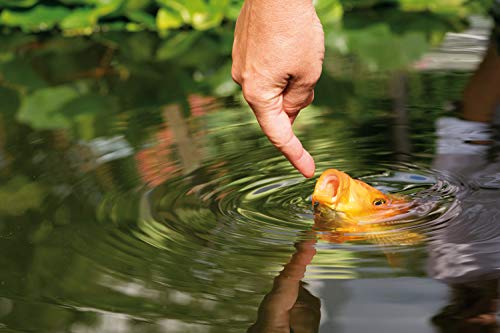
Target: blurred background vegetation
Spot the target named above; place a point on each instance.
(78, 64)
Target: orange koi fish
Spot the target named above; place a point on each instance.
(354, 210)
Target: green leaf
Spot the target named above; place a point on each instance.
(329, 11)
(80, 19)
(43, 108)
(17, 3)
(39, 18)
(107, 7)
(137, 5)
(167, 19)
(145, 18)
(200, 14)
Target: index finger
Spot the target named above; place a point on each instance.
(278, 129)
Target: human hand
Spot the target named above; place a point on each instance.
(277, 59)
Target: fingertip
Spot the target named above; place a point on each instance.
(305, 165)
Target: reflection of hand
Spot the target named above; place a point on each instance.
(288, 305)
(277, 58)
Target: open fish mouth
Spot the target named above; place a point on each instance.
(325, 192)
(324, 213)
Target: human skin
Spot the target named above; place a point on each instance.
(278, 54)
(482, 93)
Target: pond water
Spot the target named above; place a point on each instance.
(131, 217)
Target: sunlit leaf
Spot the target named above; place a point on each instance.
(168, 19)
(144, 18)
(329, 11)
(39, 18)
(80, 19)
(107, 7)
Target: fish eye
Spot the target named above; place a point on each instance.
(378, 202)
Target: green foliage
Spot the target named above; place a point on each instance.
(82, 83)
(37, 19)
(89, 16)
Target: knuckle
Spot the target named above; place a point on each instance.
(235, 74)
(250, 94)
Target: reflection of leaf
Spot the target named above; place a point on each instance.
(62, 107)
(176, 45)
(90, 113)
(88, 104)
(382, 50)
(10, 42)
(221, 81)
(42, 108)
(19, 195)
(140, 46)
(38, 18)
(19, 72)
(10, 100)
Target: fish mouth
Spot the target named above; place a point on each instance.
(326, 190)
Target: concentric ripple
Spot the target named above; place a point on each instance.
(259, 218)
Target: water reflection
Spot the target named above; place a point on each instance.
(465, 254)
(289, 306)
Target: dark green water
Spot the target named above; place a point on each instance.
(129, 208)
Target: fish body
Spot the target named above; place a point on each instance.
(349, 209)
(354, 199)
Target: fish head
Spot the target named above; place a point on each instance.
(338, 195)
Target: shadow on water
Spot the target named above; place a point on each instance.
(133, 201)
